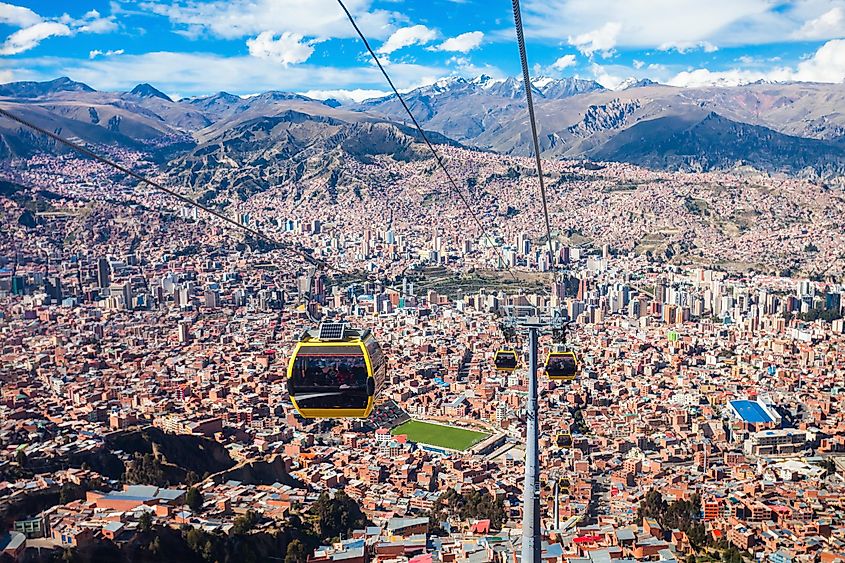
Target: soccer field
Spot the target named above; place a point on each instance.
(437, 435)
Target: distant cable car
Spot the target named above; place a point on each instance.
(335, 372)
(564, 440)
(562, 366)
(506, 360)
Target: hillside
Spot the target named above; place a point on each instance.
(795, 128)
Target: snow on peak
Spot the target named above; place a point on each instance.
(542, 81)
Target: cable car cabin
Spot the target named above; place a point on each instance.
(506, 360)
(563, 441)
(335, 372)
(562, 366)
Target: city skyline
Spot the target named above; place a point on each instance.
(492, 320)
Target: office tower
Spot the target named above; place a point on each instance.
(103, 273)
(212, 298)
(184, 331)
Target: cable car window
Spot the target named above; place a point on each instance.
(562, 365)
(564, 441)
(566, 364)
(325, 382)
(505, 360)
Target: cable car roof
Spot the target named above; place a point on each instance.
(334, 332)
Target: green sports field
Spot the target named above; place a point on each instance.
(437, 435)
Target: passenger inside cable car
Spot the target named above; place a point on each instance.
(564, 440)
(562, 366)
(335, 372)
(506, 360)
(330, 382)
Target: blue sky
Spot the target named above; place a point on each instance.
(192, 47)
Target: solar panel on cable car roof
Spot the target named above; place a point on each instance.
(331, 331)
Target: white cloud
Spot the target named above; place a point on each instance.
(565, 61)
(827, 64)
(701, 77)
(35, 29)
(650, 23)
(195, 74)
(407, 36)
(287, 49)
(98, 25)
(638, 64)
(17, 16)
(829, 24)
(345, 96)
(463, 43)
(465, 67)
(233, 19)
(602, 40)
(605, 78)
(686, 46)
(110, 53)
(29, 37)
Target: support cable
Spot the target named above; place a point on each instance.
(526, 78)
(152, 183)
(422, 134)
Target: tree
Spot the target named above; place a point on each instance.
(67, 493)
(245, 523)
(145, 469)
(337, 516)
(194, 499)
(682, 514)
(828, 465)
(194, 538)
(296, 552)
(155, 546)
(21, 458)
(191, 478)
(145, 521)
(471, 505)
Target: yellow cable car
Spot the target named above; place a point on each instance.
(506, 360)
(562, 366)
(336, 372)
(564, 440)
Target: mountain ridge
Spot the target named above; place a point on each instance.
(577, 119)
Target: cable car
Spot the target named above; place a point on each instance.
(564, 440)
(506, 360)
(562, 366)
(335, 372)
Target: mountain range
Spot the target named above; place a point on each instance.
(793, 128)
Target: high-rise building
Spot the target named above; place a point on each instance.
(184, 331)
(53, 288)
(212, 298)
(103, 273)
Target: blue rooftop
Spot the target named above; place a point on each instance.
(751, 411)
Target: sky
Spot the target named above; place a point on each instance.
(194, 48)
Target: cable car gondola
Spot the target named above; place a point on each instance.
(562, 366)
(506, 360)
(335, 372)
(564, 440)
